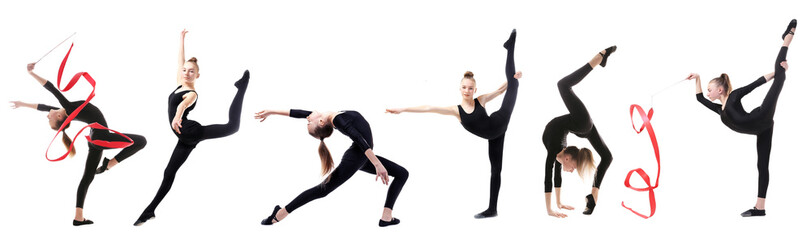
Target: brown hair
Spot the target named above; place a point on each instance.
(65, 138)
(469, 75)
(322, 132)
(193, 60)
(723, 81)
(583, 158)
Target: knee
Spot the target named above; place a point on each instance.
(763, 167)
(402, 176)
(139, 142)
(562, 86)
(606, 159)
(495, 170)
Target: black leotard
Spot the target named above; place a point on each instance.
(578, 122)
(192, 133)
(760, 121)
(494, 127)
(90, 114)
(354, 126)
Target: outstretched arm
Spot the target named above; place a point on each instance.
(39, 79)
(181, 56)
(264, 114)
(48, 86)
(450, 111)
(17, 104)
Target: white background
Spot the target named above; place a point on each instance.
(370, 55)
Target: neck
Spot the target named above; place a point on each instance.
(189, 85)
(723, 100)
(329, 116)
(468, 101)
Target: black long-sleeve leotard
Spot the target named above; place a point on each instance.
(353, 125)
(759, 121)
(91, 114)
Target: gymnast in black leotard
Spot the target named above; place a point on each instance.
(570, 158)
(89, 114)
(473, 116)
(354, 126)
(189, 132)
(759, 122)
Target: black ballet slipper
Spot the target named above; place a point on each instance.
(486, 214)
(243, 82)
(146, 216)
(792, 24)
(103, 166)
(510, 43)
(754, 212)
(394, 221)
(590, 204)
(272, 217)
(83, 222)
(608, 52)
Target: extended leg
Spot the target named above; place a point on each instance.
(234, 112)
(504, 113)
(350, 163)
(179, 156)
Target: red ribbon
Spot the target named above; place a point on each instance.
(646, 124)
(102, 143)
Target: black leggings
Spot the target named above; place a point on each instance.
(353, 160)
(94, 156)
(191, 134)
(578, 121)
(767, 108)
(502, 119)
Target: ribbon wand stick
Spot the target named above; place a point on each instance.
(57, 45)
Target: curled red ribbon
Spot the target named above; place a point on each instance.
(102, 143)
(646, 124)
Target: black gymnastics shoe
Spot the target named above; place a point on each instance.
(243, 82)
(510, 43)
(608, 52)
(486, 214)
(754, 212)
(590, 204)
(269, 220)
(792, 24)
(394, 221)
(103, 166)
(84, 222)
(143, 218)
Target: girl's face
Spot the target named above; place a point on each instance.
(467, 88)
(54, 116)
(314, 121)
(714, 91)
(566, 162)
(189, 73)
